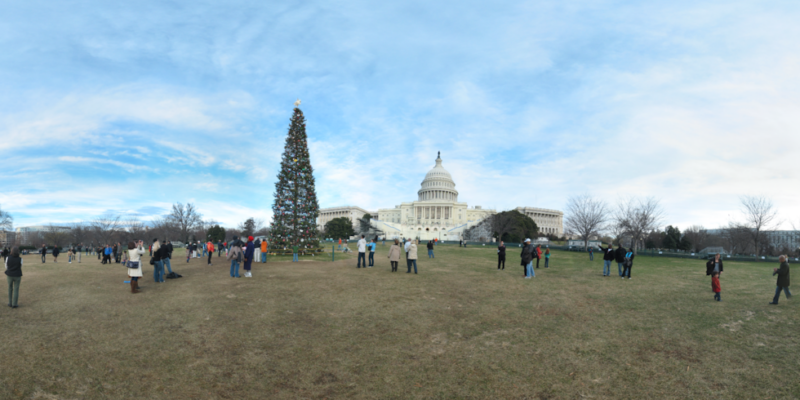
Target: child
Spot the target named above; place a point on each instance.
(547, 257)
(69, 256)
(715, 286)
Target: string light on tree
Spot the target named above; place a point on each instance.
(295, 209)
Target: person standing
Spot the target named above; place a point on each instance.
(372, 253)
(295, 252)
(714, 265)
(69, 255)
(167, 260)
(608, 257)
(547, 257)
(783, 280)
(460, 242)
(537, 254)
(158, 265)
(591, 253)
(412, 256)
(248, 257)
(394, 255)
(78, 254)
(527, 259)
(100, 252)
(430, 248)
(406, 247)
(501, 256)
(13, 276)
(235, 256)
(210, 247)
(362, 248)
(619, 257)
(56, 252)
(628, 264)
(135, 253)
(205, 250)
(107, 255)
(340, 244)
(257, 251)
(5, 254)
(44, 252)
(264, 251)
(715, 287)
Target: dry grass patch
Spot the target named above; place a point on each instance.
(459, 329)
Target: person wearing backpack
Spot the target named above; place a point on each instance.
(628, 263)
(235, 256)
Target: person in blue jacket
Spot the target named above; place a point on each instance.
(372, 253)
(249, 252)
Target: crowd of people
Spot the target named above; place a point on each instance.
(243, 254)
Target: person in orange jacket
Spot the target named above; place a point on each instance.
(537, 254)
(210, 248)
(264, 251)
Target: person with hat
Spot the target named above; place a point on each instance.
(249, 252)
(527, 259)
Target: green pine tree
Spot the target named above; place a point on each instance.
(295, 211)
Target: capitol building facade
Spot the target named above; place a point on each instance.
(437, 213)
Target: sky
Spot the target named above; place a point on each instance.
(129, 107)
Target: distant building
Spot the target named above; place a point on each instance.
(7, 238)
(550, 222)
(437, 213)
(351, 212)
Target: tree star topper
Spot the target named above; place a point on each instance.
(297, 103)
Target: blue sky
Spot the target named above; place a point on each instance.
(131, 107)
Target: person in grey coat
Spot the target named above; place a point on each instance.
(783, 280)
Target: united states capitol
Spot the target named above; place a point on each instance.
(437, 213)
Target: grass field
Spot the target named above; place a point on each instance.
(460, 329)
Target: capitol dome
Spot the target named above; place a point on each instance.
(438, 185)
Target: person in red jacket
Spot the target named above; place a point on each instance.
(715, 286)
(537, 254)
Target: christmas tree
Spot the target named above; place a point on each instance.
(294, 213)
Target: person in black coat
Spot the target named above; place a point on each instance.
(608, 257)
(714, 265)
(527, 258)
(619, 256)
(13, 276)
(44, 252)
(501, 255)
(55, 253)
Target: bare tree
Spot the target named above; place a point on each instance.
(185, 219)
(79, 233)
(586, 217)
(737, 238)
(6, 220)
(759, 215)
(56, 235)
(698, 237)
(106, 227)
(638, 216)
(134, 230)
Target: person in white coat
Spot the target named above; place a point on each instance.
(362, 253)
(135, 252)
